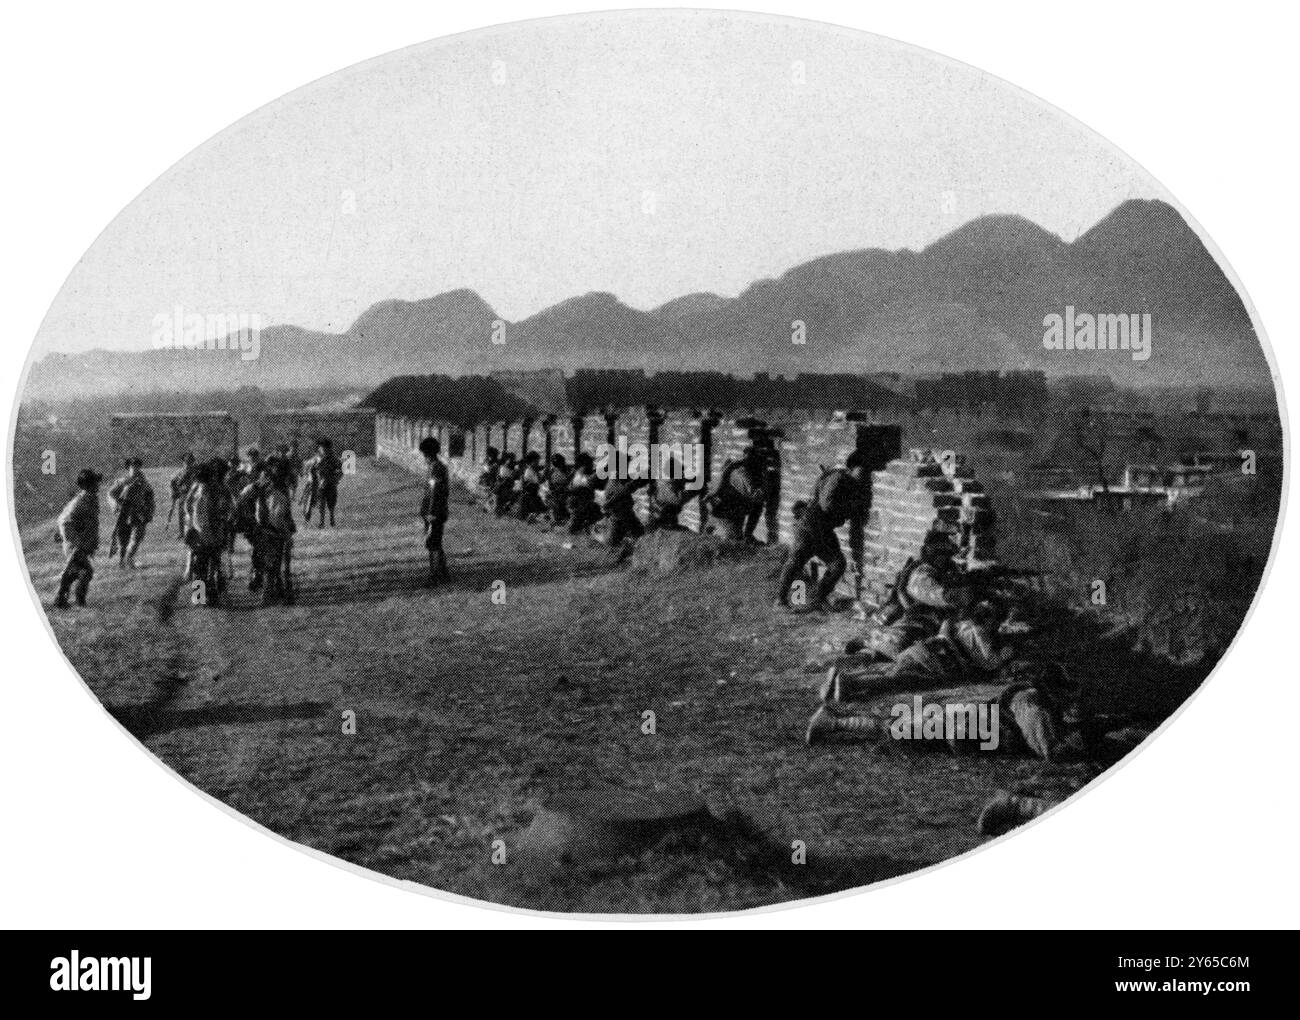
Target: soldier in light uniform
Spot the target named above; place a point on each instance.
(132, 499)
(180, 488)
(78, 530)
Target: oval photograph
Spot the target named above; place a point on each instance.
(648, 463)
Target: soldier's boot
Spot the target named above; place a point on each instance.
(1007, 810)
(61, 599)
(443, 573)
(826, 722)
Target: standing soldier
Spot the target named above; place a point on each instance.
(245, 520)
(78, 530)
(738, 498)
(274, 530)
(838, 496)
(180, 488)
(620, 508)
(433, 509)
(324, 471)
(208, 516)
(132, 499)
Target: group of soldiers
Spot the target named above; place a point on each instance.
(577, 497)
(213, 502)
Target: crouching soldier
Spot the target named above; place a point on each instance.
(530, 503)
(556, 494)
(433, 510)
(625, 526)
(132, 498)
(669, 496)
(583, 508)
(78, 530)
(838, 497)
(736, 502)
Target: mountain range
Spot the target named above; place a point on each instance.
(973, 300)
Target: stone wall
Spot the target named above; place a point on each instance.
(351, 429)
(163, 439)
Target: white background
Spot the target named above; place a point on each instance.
(1198, 831)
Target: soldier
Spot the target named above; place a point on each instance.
(208, 512)
(180, 487)
(132, 500)
(967, 649)
(583, 509)
(620, 508)
(837, 497)
(529, 503)
(487, 478)
(245, 520)
(434, 510)
(503, 490)
(274, 528)
(926, 591)
(1037, 713)
(738, 497)
(78, 530)
(324, 471)
(557, 490)
(669, 496)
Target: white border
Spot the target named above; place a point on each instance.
(70, 880)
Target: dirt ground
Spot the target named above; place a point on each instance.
(471, 713)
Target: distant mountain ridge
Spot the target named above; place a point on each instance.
(974, 299)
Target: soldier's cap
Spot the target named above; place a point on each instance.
(88, 478)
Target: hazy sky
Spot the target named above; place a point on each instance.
(649, 154)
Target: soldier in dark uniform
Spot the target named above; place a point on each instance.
(620, 508)
(529, 503)
(737, 500)
(839, 496)
(131, 496)
(434, 509)
(583, 509)
(325, 469)
(557, 490)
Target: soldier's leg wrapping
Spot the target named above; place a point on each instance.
(827, 548)
(84, 574)
(71, 570)
(801, 551)
(137, 539)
